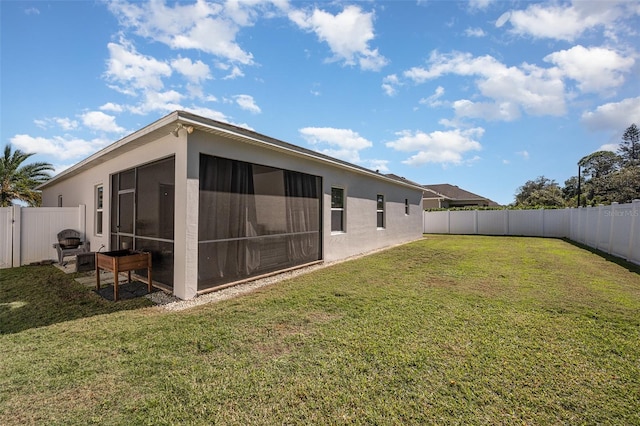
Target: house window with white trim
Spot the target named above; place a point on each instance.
(99, 203)
(380, 211)
(337, 209)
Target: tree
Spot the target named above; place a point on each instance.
(541, 192)
(600, 164)
(570, 191)
(624, 185)
(629, 148)
(18, 181)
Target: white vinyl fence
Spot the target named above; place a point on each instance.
(614, 229)
(27, 234)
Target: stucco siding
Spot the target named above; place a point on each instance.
(154, 142)
(361, 233)
(80, 189)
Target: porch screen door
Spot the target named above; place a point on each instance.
(142, 214)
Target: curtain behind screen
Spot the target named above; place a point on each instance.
(254, 219)
(227, 211)
(302, 211)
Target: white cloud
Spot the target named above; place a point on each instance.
(213, 114)
(247, 103)
(131, 71)
(110, 106)
(503, 19)
(202, 25)
(195, 72)
(344, 143)
(568, 21)
(32, 11)
(381, 166)
(480, 4)
(498, 111)
(348, 35)
(434, 100)
(444, 147)
(613, 116)
(535, 90)
(613, 147)
(60, 147)
(64, 123)
(98, 120)
(474, 32)
(596, 69)
(166, 101)
(524, 154)
(389, 84)
(236, 72)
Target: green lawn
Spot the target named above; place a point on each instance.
(446, 330)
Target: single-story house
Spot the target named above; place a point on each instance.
(217, 204)
(446, 196)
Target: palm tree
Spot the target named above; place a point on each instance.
(18, 181)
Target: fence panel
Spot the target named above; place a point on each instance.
(634, 239)
(6, 236)
(462, 222)
(526, 222)
(621, 224)
(593, 219)
(27, 234)
(613, 229)
(436, 222)
(40, 226)
(556, 223)
(493, 222)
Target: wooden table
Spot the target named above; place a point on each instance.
(123, 261)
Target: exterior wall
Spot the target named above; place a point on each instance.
(361, 233)
(431, 203)
(361, 191)
(80, 189)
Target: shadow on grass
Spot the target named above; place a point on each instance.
(631, 267)
(37, 296)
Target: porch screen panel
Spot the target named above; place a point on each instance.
(156, 199)
(142, 214)
(254, 219)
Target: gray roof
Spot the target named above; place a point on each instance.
(167, 123)
(453, 192)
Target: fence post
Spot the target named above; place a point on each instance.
(475, 222)
(598, 226)
(448, 221)
(634, 226)
(82, 220)
(613, 217)
(16, 231)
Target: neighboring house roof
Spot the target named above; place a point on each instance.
(401, 179)
(454, 193)
(166, 124)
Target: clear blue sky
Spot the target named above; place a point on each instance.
(481, 94)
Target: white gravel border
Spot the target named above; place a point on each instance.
(168, 302)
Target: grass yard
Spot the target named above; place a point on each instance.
(446, 330)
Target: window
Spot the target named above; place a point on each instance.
(59, 200)
(380, 211)
(406, 206)
(337, 210)
(99, 204)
